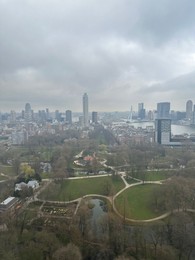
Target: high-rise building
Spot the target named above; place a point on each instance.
(163, 131)
(12, 116)
(28, 114)
(189, 106)
(163, 110)
(47, 113)
(141, 111)
(69, 117)
(150, 115)
(94, 117)
(58, 116)
(85, 110)
(42, 116)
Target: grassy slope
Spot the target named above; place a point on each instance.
(72, 189)
(137, 202)
(7, 170)
(157, 175)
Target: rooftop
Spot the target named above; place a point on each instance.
(8, 200)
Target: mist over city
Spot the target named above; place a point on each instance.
(97, 130)
(120, 52)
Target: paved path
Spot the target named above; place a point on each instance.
(89, 176)
(111, 199)
(98, 195)
(132, 185)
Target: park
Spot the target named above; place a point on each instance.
(114, 196)
(130, 201)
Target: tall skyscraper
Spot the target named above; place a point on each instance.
(163, 110)
(150, 115)
(141, 111)
(189, 105)
(28, 114)
(47, 114)
(85, 110)
(69, 117)
(94, 117)
(58, 116)
(12, 116)
(163, 131)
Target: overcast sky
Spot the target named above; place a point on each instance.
(121, 52)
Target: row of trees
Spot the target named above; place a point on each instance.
(108, 238)
(111, 237)
(175, 194)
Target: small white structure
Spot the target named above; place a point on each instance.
(46, 167)
(33, 184)
(20, 186)
(8, 203)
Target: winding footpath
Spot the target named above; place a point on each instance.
(140, 182)
(111, 199)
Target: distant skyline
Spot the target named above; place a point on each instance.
(85, 103)
(120, 52)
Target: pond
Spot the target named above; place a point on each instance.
(99, 210)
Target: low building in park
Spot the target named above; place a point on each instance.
(8, 204)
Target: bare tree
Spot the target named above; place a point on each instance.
(70, 252)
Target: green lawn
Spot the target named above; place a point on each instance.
(3, 178)
(35, 205)
(157, 175)
(66, 190)
(46, 175)
(7, 170)
(28, 214)
(136, 202)
(130, 180)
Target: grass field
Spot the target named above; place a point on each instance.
(130, 180)
(28, 214)
(35, 205)
(136, 202)
(7, 170)
(66, 190)
(157, 175)
(3, 177)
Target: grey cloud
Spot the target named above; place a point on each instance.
(177, 90)
(53, 51)
(162, 21)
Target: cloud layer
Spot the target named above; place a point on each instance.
(119, 52)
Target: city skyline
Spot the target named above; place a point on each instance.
(119, 52)
(87, 109)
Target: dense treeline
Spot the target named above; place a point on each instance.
(51, 139)
(29, 237)
(110, 238)
(103, 136)
(175, 194)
